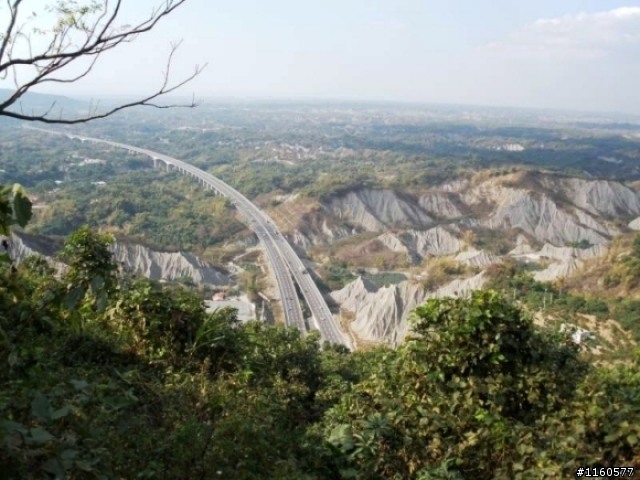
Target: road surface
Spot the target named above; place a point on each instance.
(281, 256)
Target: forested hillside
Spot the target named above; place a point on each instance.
(114, 377)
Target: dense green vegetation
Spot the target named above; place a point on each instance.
(116, 377)
(559, 301)
(323, 150)
(479, 393)
(153, 207)
(626, 271)
(405, 145)
(336, 275)
(173, 214)
(315, 150)
(512, 278)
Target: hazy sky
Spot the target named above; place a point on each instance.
(575, 54)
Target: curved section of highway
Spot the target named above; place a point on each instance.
(321, 314)
(281, 256)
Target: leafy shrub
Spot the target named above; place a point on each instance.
(459, 399)
(162, 321)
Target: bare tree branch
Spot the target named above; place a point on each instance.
(13, 11)
(96, 27)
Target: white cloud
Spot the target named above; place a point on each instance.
(579, 36)
(623, 12)
(585, 61)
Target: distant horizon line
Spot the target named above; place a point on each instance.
(341, 100)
